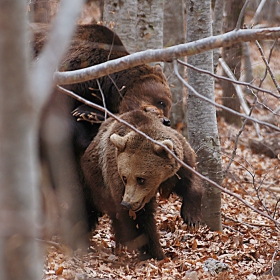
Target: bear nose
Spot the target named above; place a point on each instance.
(166, 122)
(126, 204)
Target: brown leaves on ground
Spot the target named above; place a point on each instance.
(248, 245)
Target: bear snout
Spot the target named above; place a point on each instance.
(126, 204)
(134, 206)
(166, 122)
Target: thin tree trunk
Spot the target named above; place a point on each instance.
(247, 64)
(217, 27)
(174, 34)
(201, 116)
(232, 56)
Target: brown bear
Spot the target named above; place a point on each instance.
(135, 88)
(124, 171)
(142, 87)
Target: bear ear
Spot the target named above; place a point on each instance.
(158, 69)
(168, 143)
(119, 141)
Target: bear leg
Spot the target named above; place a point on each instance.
(125, 229)
(191, 193)
(147, 225)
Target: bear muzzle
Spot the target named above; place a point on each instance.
(134, 206)
(166, 122)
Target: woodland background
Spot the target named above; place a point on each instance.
(242, 232)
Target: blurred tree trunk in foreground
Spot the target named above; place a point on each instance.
(201, 116)
(24, 88)
(19, 196)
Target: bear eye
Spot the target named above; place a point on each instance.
(140, 181)
(162, 104)
(124, 180)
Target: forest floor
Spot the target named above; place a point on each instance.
(246, 249)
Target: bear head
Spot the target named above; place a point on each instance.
(142, 166)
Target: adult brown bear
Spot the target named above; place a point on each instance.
(135, 88)
(120, 92)
(124, 171)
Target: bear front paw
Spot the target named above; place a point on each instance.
(191, 215)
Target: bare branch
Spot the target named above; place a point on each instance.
(98, 107)
(168, 54)
(268, 67)
(239, 93)
(224, 107)
(241, 15)
(257, 14)
(228, 79)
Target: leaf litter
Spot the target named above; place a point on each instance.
(246, 249)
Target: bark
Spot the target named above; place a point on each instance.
(201, 116)
(122, 16)
(174, 34)
(139, 23)
(149, 25)
(232, 56)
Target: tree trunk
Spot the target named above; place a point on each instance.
(217, 28)
(247, 65)
(201, 116)
(174, 34)
(149, 25)
(19, 197)
(138, 23)
(232, 56)
(23, 93)
(122, 16)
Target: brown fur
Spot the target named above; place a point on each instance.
(139, 87)
(124, 171)
(126, 90)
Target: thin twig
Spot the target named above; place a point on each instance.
(257, 13)
(81, 99)
(228, 79)
(268, 67)
(239, 92)
(50, 243)
(235, 145)
(224, 107)
(272, 266)
(103, 98)
(246, 224)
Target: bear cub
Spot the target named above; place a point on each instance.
(124, 171)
